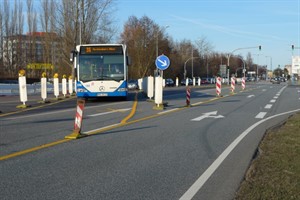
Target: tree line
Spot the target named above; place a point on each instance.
(67, 23)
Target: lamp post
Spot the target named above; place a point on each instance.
(229, 55)
(184, 67)
(257, 65)
(270, 64)
(165, 27)
(244, 65)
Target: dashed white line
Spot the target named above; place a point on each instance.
(273, 101)
(268, 106)
(260, 115)
(197, 185)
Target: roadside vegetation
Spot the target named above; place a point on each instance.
(275, 173)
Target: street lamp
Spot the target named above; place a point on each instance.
(229, 55)
(244, 65)
(184, 67)
(164, 28)
(270, 63)
(257, 65)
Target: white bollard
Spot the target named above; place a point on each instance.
(70, 83)
(44, 88)
(150, 87)
(23, 89)
(199, 81)
(64, 85)
(177, 82)
(186, 81)
(158, 91)
(194, 81)
(56, 85)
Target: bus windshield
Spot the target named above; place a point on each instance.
(101, 67)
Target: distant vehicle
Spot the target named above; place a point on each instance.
(275, 80)
(133, 85)
(205, 81)
(170, 82)
(183, 81)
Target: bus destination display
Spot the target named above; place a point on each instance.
(101, 50)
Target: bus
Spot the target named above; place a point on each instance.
(101, 70)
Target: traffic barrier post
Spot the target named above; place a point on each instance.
(218, 86)
(22, 89)
(243, 83)
(64, 85)
(44, 87)
(70, 83)
(56, 85)
(232, 85)
(78, 121)
(188, 96)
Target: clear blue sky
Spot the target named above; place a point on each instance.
(226, 24)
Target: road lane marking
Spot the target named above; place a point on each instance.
(268, 106)
(30, 150)
(168, 111)
(212, 114)
(35, 107)
(273, 101)
(197, 185)
(109, 112)
(260, 115)
(26, 151)
(98, 131)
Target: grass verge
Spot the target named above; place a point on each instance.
(275, 173)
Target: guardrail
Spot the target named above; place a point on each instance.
(13, 89)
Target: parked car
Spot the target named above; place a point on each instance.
(169, 82)
(183, 81)
(133, 85)
(205, 81)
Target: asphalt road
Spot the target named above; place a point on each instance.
(134, 151)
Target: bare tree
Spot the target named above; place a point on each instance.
(1, 44)
(144, 39)
(82, 22)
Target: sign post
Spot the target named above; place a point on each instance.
(162, 62)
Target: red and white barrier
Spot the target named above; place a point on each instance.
(232, 84)
(243, 83)
(218, 86)
(78, 121)
(188, 96)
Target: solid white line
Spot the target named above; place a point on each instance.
(260, 115)
(190, 193)
(105, 113)
(102, 128)
(167, 111)
(268, 106)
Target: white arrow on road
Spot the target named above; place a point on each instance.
(163, 62)
(212, 114)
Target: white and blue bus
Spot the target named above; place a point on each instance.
(101, 70)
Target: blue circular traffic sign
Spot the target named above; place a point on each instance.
(162, 62)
